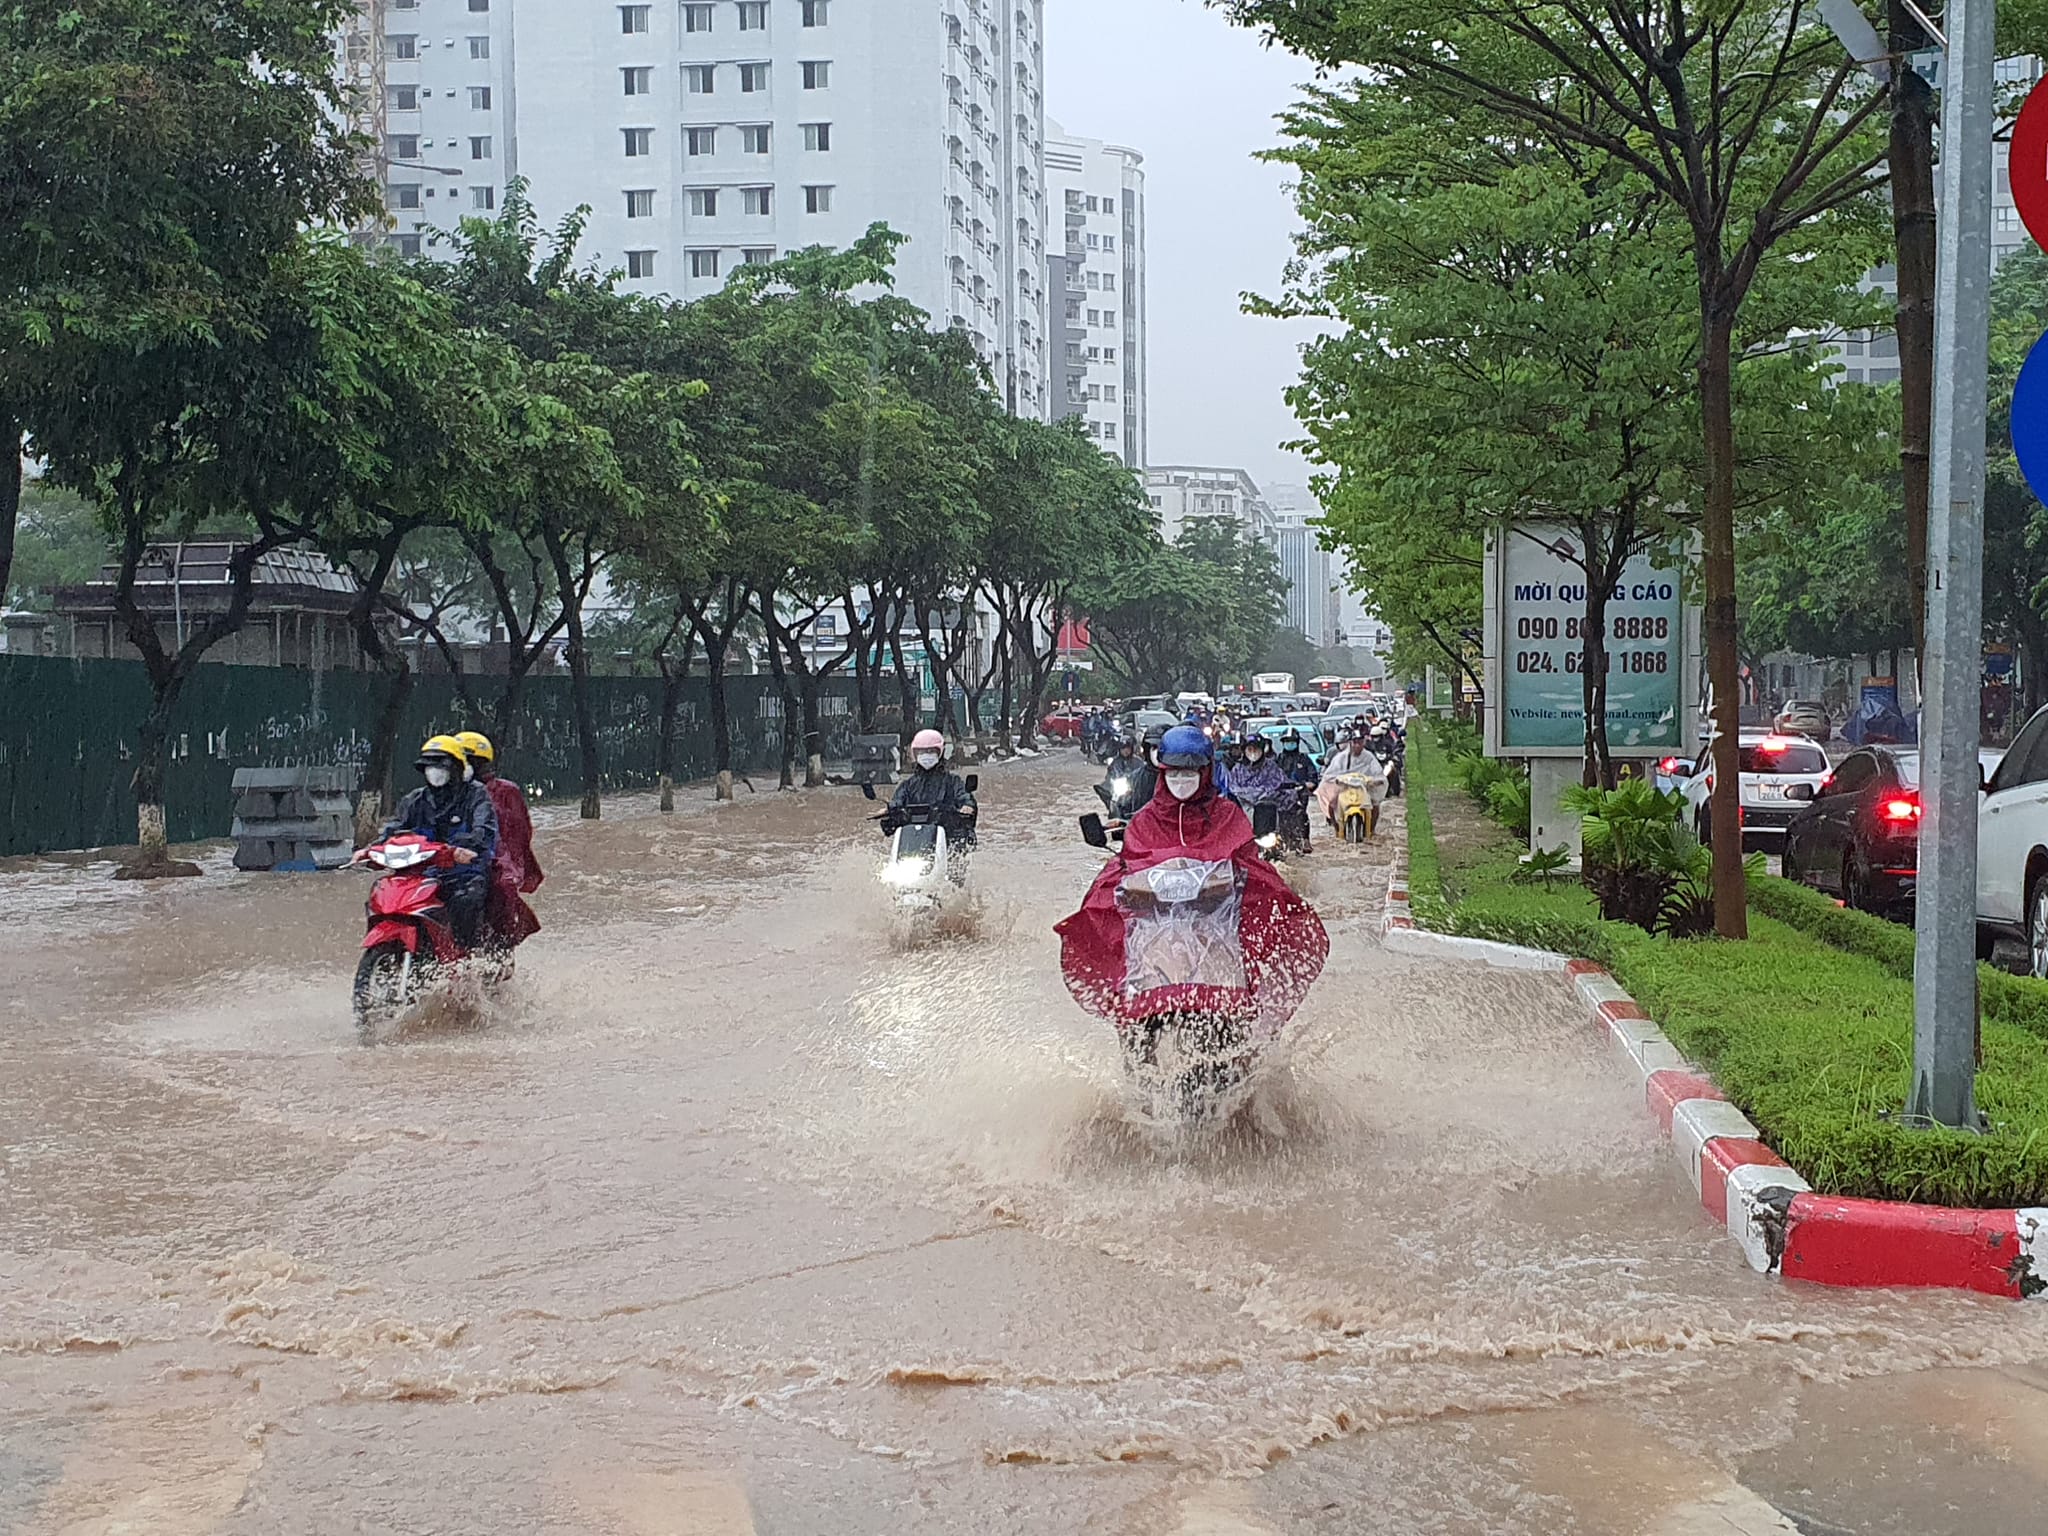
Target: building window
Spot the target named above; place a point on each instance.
(479, 6)
(816, 12)
(1109, 354)
(757, 201)
(2008, 218)
(1095, 317)
(639, 263)
(817, 135)
(817, 74)
(1095, 242)
(1109, 242)
(758, 255)
(700, 79)
(703, 202)
(405, 5)
(632, 18)
(639, 141)
(480, 147)
(1109, 317)
(639, 80)
(640, 205)
(479, 47)
(817, 199)
(753, 15)
(403, 146)
(1109, 282)
(753, 77)
(754, 138)
(703, 263)
(700, 141)
(479, 98)
(1109, 431)
(408, 245)
(405, 98)
(405, 194)
(1094, 280)
(1109, 393)
(698, 18)
(1095, 354)
(483, 197)
(404, 47)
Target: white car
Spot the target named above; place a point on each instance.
(1780, 776)
(2012, 846)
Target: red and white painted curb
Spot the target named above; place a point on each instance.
(1783, 1226)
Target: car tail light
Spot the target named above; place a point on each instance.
(1772, 745)
(1667, 765)
(1901, 809)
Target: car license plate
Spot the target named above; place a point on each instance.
(1770, 791)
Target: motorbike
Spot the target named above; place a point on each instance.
(1116, 797)
(922, 866)
(1186, 1016)
(410, 943)
(1281, 826)
(1355, 815)
(1392, 752)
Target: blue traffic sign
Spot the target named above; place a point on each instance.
(2030, 419)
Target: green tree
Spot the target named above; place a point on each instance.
(156, 156)
(60, 543)
(1746, 120)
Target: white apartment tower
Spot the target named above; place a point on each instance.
(703, 134)
(1095, 274)
(1185, 493)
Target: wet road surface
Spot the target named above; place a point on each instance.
(736, 1213)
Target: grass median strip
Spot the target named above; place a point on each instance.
(1811, 1040)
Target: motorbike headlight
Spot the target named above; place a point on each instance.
(905, 872)
(1120, 787)
(1270, 840)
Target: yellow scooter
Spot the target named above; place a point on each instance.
(1355, 814)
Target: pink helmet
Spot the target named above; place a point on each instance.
(928, 741)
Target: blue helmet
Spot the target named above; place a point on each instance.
(1187, 746)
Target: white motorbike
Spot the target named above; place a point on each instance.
(923, 868)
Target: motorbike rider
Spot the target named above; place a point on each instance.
(1296, 763)
(1130, 768)
(455, 810)
(1260, 778)
(929, 784)
(515, 872)
(1283, 940)
(1353, 756)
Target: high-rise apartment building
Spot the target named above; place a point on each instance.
(1095, 266)
(1312, 597)
(1185, 493)
(704, 134)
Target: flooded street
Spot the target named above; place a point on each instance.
(735, 1213)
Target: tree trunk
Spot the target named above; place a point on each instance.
(672, 680)
(1005, 694)
(814, 731)
(906, 686)
(377, 791)
(1717, 530)
(1911, 153)
(153, 859)
(10, 497)
(716, 644)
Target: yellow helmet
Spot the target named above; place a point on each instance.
(478, 746)
(443, 746)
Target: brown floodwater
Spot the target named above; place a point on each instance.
(738, 1210)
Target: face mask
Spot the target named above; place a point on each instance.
(927, 759)
(468, 773)
(1253, 754)
(1182, 786)
(438, 777)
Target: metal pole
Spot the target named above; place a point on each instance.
(1945, 956)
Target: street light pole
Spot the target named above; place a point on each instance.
(1945, 924)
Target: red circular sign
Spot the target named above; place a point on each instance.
(2027, 165)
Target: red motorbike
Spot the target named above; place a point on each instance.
(410, 941)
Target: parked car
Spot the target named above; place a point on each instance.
(2012, 847)
(1779, 775)
(1859, 838)
(1062, 724)
(1806, 717)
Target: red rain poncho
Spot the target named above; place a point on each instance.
(515, 871)
(1281, 937)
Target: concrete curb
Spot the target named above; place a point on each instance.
(1783, 1226)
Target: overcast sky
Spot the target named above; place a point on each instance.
(1197, 98)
